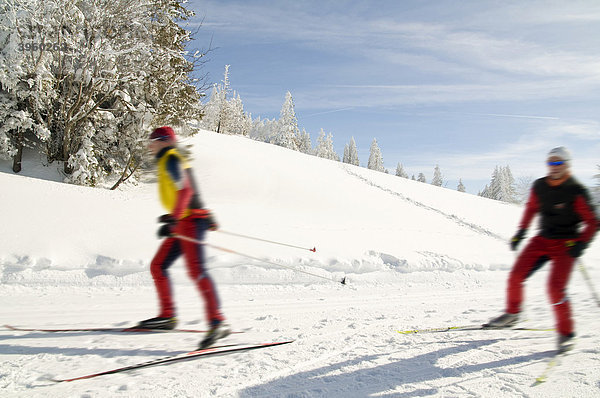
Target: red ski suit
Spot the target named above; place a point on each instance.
(563, 209)
(180, 197)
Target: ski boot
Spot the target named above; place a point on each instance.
(566, 342)
(504, 321)
(162, 323)
(218, 330)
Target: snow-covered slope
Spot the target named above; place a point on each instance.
(359, 220)
(414, 255)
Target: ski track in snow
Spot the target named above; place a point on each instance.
(451, 217)
(346, 345)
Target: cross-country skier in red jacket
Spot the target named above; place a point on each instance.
(567, 226)
(187, 217)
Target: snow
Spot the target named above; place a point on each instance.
(415, 256)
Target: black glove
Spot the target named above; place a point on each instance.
(212, 223)
(516, 240)
(576, 248)
(166, 230)
(168, 227)
(166, 218)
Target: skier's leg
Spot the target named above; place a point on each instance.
(562, 265)
(531, 258)
(194, 256)
(168, 252)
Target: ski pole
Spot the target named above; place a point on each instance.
(199, 242)
(587, 278)
(314, 249)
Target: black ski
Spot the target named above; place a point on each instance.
(211, 351)
(132, 329)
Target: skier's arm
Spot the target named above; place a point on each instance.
(586, 212)
(531, 209)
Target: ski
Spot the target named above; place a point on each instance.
(465, 328)
(132, 329)
(554, 361)
(211, 351)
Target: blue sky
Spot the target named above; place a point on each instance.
(467, 85)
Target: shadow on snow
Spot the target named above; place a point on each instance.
(344, 379)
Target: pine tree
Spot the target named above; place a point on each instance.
(421, 178)
(484, 193)
(346, 154)
(212, 110)
(263, 130)
(305, 144)
(287, 135)
(224, 112)
(501, 187)
(460, 187)
(351, 153)
(375, 158)
(437, 177)
(324, 147)
(400, 171)
(222, 95)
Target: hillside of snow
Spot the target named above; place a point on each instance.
(414, 255)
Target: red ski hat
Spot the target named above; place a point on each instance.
(164, 133)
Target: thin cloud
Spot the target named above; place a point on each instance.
(331, 111)
(514, 116)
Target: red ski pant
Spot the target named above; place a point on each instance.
(536, 253)
(169, 251)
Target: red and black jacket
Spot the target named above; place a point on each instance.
(562, 207)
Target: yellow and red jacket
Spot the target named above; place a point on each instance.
(176, 186)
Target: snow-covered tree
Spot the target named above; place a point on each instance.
(400, 171)
(437, 177)
(346, 151)
(421, 178)
(83, 82)
(22, 77)
(224, 112)
(484, 191)
(304, 143)
(238, 121)
(212, 110)
(502, 186)
(324, 147)
(83, 172)
(263, 130)
(287, 135)
(375, 158)
(351, 153)
(461, 186)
